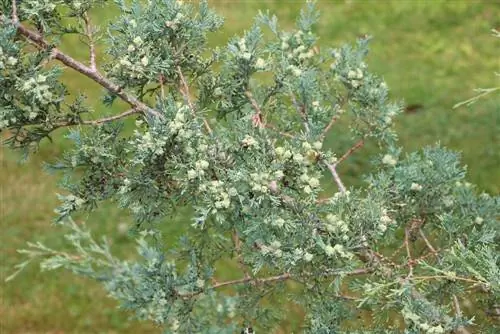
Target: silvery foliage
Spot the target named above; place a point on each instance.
(408, 249)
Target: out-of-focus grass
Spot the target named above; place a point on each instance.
(432, 53)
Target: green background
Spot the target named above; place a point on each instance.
(431, 53)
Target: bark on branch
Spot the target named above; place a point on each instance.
(90, 72)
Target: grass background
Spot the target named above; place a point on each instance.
(432, 53)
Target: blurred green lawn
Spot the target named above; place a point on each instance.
(432, 53)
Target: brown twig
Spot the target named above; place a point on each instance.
(350, 151)
(15, 18)
(187, 96)
(323, 200)
(329, 126)
(257, 118)
(424, 256)
(237, 248)
(396, 252)
(185, 89)
(70, 62)
(414, 292)
(456, 304)
(272, 127)
(101, 120)
(415, 224)
(282, 277)
(162, 89)
(333, 167)
(429, 245)
(336, 177)
(383, 258)
(355, 272)
(408, 253)
(458, 311)
(457, 278)
(346, 297)
(301, 110)
(89, 33)
(334, 118)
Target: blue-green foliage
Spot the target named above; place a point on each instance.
(402, 248)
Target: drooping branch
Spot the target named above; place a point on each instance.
(271, 279)
(38, 40)
(282, 277)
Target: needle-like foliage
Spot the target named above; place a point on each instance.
(237, 134)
